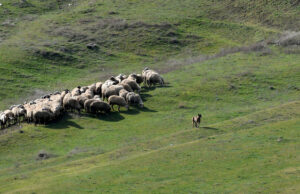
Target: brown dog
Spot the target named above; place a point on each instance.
(197, 120)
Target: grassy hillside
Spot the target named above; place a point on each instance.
(249, 97)
(44, 44)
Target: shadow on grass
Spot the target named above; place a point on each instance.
(145, 109)
(209, 128)
(64, 123)
(145, 96)
(111, 117)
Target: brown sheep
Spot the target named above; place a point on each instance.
(10, 116)
(126, 87)
(151, 77)
(123, 93)
(81, 99)
(71, 104)
(111, 90)
(134, 86)
(133, 98)
(98, 88)
(99, 106)
(87, 105)
(117, 100)
(138, 78)
(42, 115)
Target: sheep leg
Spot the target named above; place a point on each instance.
(112, 107)
(119, 108)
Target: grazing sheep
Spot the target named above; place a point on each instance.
(71, 103)
(197, 120)
(111, 90)
(81, 100)
(138, 78)
(97, 97)
(121, 77)
(83, 89)
(56, 108)
(92, 88)
(126, 87)
(42, 115)
(109, 82)
(10, 116)
(134, 86)
(63, 93)
(19, 112)
(3, 120)
(98, 88)
(89, 93)
(133, 98)
(99, 106)
(87, 105)
(76, 91)
(117, 100)
(151, 77)
(123, 93)
(29, 109)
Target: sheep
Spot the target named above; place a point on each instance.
(99, 106)
(64, 93)
(29, 111)
(19, 112)
(92, 88)
(76, 91)
(121, 77)
(81, 99)
(42, 115)
(123, 93)
(151, 77)
(109, 82)
(136, 77)
(56, 97)
(10, 116)
(134, 86)
(3, 120)
(133, 98)
(83, 89)
(88, 94)
(70, 103)
(117, 100)
(56, 108)
(197, 120)
(126, 87)
(97, 97)
(111, 90)
(87, 104)
(98, 88)
(154, 78)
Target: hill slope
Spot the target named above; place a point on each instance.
(249, 137)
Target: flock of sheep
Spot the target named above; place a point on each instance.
(119, 90)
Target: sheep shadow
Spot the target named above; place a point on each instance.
(132, 111)
(113, 116)
(145, 96)
(64, 123)
(145, 109)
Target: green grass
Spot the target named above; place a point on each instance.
(155, 149)
(123, 147)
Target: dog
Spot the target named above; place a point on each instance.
(197, 120)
